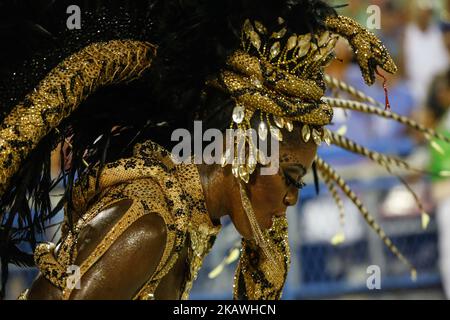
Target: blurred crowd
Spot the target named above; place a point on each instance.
(417, 33)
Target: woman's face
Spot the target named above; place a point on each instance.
(270, 195)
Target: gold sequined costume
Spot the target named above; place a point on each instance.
(275, 72)
(155, 185)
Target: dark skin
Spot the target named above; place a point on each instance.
(137, 252)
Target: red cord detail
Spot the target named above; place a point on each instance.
(386, 92)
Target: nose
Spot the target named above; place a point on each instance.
(291, 197)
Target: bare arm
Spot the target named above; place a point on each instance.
(126, 265)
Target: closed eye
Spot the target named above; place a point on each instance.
(294, 175)
(291, 181)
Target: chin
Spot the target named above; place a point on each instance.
(267, 224)
(245, 230)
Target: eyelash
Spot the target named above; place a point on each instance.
(298, 184)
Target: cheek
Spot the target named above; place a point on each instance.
(266, 195)
(266, 189)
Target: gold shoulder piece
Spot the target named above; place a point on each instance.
(50, 268)
(370, 52)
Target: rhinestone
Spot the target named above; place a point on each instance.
(323, 39)
(437, 147)
(316, 137)
(303, 51)
(260, 27)
(289, 126)
(292, 42)
(338, 239)
(235, 168)
(233, 256)
(216, 271)
(248, 28)
(262, 158)
(240, 140)
(280, 34)
(326, 51)
(243, 173)
(306, 133)
(275, 50)
(226, 157)
(342, 130)
(251, 163)
(280, 20)
(425, 220)
(327, 136)
(279, 122)
(304, 39)
(332, 43)
(255, 40)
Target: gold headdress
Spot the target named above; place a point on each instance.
(281, 76)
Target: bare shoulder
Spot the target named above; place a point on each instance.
(149, 230)
(136, 253)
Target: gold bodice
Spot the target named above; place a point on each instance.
(155, 185)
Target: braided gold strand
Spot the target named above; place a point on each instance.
(425, 217)
(328, 171)
(386, 162)
(335, 83)
(340, 236)
(379, 158)
(365, 108)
